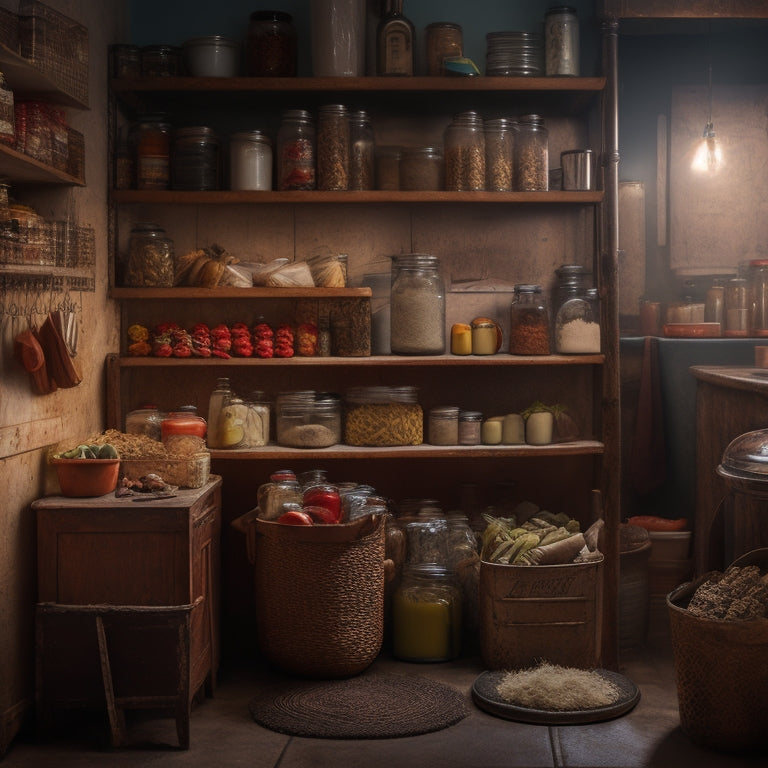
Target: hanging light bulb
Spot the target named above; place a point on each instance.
(708, 157)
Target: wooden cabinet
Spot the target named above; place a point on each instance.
(120, 551)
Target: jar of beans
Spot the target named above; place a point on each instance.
(333, 147)
(465, 153)
(529, 323)
(531, 154)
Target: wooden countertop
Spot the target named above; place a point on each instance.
(749, 379)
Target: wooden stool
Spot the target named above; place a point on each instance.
(124, 656)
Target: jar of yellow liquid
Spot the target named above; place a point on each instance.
(426, 614)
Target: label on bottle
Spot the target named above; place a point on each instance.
(398, 54)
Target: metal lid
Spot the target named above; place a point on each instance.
(747, 456)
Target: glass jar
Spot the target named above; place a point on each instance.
(220, 396)
(499, 148)
(250, 160)
(183, 428)
(308, 420)
(195, 163)
(144, 421)
(124, 60)
(714, 303)
(426, 615)
(577, 326)
(531, 154)
(470, 427)
(486, 336)
(421, 168)
(150, 257)
(529, 322)
(388, 167)
(758, 277)
(465, 153)
(737, 307)
(7, 114)
(561, 41)
(383, 416)
(444, 425)
(333, 147)
(442, 40)
(160, 61)
(271, 45)
(417, 312)
(296, 151)
(150, 139)
(362, 151)
(571, 281)
(275, 496)
(257, 420)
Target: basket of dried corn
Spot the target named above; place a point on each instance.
(720, 645)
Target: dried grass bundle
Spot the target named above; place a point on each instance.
(559, 689)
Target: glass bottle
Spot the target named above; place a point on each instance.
(150, 138)
(150, 257)
(417, 306)
(296, 151)
(442, 40)
(333, 147)
(561, 41)
(218, 399)
(499, 147)
(465, 153)
(195, 160)
(531, 154)
(529, 322)
(395, 37)
(250, 160)
(271, 45)
(362, 151)
(7, 118)
(758, 275)
(737, 307)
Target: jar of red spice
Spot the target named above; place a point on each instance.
(529, 323)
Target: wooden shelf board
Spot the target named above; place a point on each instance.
(225, 292)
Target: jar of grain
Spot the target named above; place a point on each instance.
(362, 151)
(577, 326)
(150, 257)
(421, 168)
(333, 147)
(465, 153)
(308, 420)
(531, 154)
(417, 312)
(529, 322)
(470, 427)
(381, 416)
(296, 151)
(444, 425)
(442, 40)
(499, 148)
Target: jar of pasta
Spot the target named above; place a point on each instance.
(381, 416)
(150, 257)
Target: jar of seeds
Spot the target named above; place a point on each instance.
(465, 153)
(499, 144)
(531, 154)
(333, 147)
(361, 156)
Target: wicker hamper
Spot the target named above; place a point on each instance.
(319, 594)
(721, 669)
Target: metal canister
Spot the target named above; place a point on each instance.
(561, 41)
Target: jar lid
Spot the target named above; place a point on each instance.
(527, 288)
(531, 119)
(470, 416)
(443, 25)
(297, 114)
(338, 109)
(483, 322)
(271, 16)
(218, 40)
(444, 411)
(359, 395)
(191, 131)
(255, 135)
(422, 152)
(415, 260)
(560, 9)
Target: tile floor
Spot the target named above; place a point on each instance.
(223, 733)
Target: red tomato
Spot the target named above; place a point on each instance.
(294, 517)
(655, 523)
(321, 515)
(324, 496)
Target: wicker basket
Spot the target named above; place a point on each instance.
(319, 594)
(721, 671)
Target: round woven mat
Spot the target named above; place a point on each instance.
(374, 706)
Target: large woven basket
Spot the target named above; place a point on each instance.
(721, 669)
(319, 594)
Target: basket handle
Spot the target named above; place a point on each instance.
(245, 524)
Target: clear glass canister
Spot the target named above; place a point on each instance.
(442, 40)
(150, 139)
(257, 420)
(383, 416)
(561, 41)
(7, 113)
(308, 420)
(219, 397)
(714, 303)
(426, 614)
(296, 151)
(124, 60)
(160, 61)
(443, 425)
(499, 158)
(529, 323)
(250, 160)
(271, 45)
(144, 421)
(421, 168)
(150, 257)
(182, 429)
(737, 307)
(571, 281)
(333, 147)
(577, 326)
(470, 427)
(195, 163)
(758, 276)
(362, 151)
(531, 153)
(417, 305)
(388, 167)
(465, 153)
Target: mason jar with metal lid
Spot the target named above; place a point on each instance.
(195, 159)
(470, 427)
(529, 326)
(531, 154)
(499, 159)
(296, 151)
(444, 425)
(362, 151)
(561, 41)
(465, 153)
(150, 257)
(250, 160)
(333, 147)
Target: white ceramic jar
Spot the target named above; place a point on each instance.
(212, 56)
(250, 161)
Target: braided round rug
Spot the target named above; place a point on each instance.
(374, 706)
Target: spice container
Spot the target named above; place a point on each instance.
(144, 421)
(124, 60)
(195, 164)
(151, 143)
(486, 336)
(499, 157)
(470, 423)
(212, 56)
(442, 40)
(531, 154)
(380, 416)
(577, 325)
(561, 41)
(461, 339)
(250, 160)
(160, 61)
(388, 167)
(7, 114)
(333, 147)
(465, 153)
(308, 420)
(421, 168)
(296, 151)
(362, 151)
(444, 425)
(150, 257)
(529, 322)
(737, 307)
(271, 45)
(417, 313)
(426, 615)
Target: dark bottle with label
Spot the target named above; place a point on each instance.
(394, 41)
